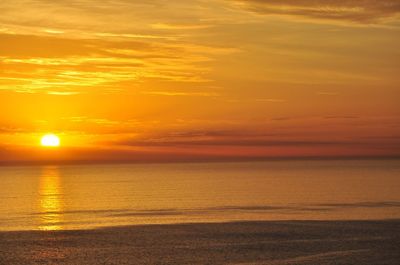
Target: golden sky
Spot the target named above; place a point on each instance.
(199, 80)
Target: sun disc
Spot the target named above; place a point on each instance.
(50, 140)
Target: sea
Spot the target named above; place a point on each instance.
(69, 197)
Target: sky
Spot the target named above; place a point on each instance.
(188, 80)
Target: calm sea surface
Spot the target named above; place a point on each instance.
(89, 196)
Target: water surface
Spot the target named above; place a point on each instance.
(89, 196)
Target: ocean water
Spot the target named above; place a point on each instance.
(90, 196)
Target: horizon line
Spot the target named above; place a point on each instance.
(176, 161)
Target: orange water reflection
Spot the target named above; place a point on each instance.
(50, 199)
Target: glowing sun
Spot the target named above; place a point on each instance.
(50, 140)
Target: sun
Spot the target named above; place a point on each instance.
(50, 140)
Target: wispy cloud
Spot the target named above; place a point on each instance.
(272, 100)
(81, 44)
(180, 26)
(240, 138)
(57, 64)
(363, 11)
(179, 93)
(62, 93)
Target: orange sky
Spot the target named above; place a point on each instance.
(199, 80)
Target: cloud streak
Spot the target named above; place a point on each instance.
(362, 11)
(64, 66)
(220, 139)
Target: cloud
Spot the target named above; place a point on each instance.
(62, 93)
(362, 11)
(12, 130)
(238, 142)
(179, 93)
(272, 100)
(342, 117)
(81, 45)
(113, 16)
(64, 66)
(180, 26)
(237, 138)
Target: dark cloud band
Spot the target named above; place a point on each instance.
(362, 11)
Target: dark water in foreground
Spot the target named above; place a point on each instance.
(255, 243)
(89, 196)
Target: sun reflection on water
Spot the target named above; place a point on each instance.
(50, 199)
